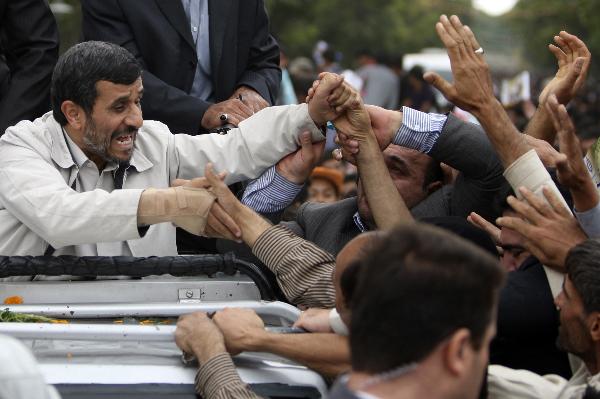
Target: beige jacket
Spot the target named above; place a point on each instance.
(505, 383)
(38, 206)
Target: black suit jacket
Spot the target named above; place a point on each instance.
(527, 327)
(158, 34)
(28, 52)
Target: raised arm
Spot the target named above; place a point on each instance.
(303, 270)
(573, 59)
(243, 330)
(472, 89)
(386, 203)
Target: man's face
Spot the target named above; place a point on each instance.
(573, 334)
(110, 131)
(514, 254)
(407, 168)
(322, 191)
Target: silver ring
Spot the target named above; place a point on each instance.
(223, 117)
(480, 50)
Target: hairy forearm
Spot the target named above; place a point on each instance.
(326, 353)
(251, 224)
(386, 203)
(540, 126)
(585, 196)
(506, 139)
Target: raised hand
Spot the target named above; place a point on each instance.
(319, 107)
(492, 230)
(472, 87)
(573, 59)
(570, 167)
(297, 166)
(550, 230)
(384, 123)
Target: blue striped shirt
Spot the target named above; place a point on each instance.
(271, 192)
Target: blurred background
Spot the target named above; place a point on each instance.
(394, 41)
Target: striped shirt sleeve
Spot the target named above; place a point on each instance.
(270, 192)
(419, 130)
(218, 379)
(303, 270)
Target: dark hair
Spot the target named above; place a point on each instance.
(583, 268)
(417, 72)
(413, 290)
(500, 203)
(82, 66)
(329, 55)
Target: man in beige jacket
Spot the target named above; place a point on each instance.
(59, 175)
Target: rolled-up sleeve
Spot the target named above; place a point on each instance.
(270, 193)
(419, 130)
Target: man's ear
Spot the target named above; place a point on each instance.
(434, 186)
(74, 114)
(458, 352)
(594, 325)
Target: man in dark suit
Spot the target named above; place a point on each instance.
(28, 52)
(206, 63)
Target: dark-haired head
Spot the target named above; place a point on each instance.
(85, 64)
(412, 291)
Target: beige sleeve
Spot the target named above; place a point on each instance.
(506, 383)
(528, 171)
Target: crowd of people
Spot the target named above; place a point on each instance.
(431, 257)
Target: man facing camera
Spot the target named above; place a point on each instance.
(89, 177)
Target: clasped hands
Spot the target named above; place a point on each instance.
(355, 122)
(224, 212)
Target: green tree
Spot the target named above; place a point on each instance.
(538, 21)
(389, 27)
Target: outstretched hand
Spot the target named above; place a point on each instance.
(297, 166)
(550, 230)
(384, 124)
(219, 224)
(573, 59)
(319, 107)
(481, 223)
(570, 167)
(472, 87)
